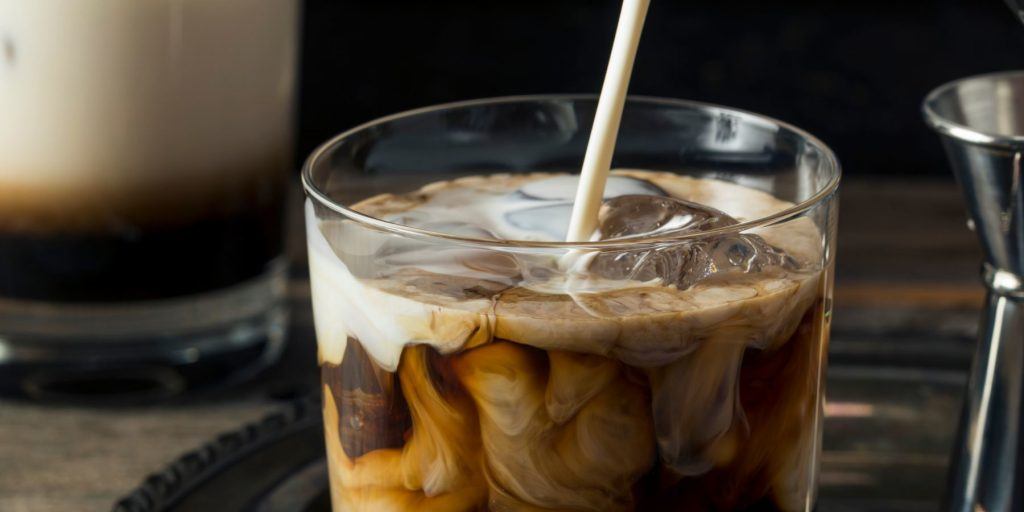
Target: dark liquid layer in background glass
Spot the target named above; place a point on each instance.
(150, 264)
(772, 386)
(156, 260)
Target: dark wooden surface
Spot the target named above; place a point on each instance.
(907, 270)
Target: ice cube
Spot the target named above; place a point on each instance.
(542, 208)
(682, 264)
(634, 215)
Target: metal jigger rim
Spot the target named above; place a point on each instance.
(962, 132)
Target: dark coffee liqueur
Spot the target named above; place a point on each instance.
(677, 379)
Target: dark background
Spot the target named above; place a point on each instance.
(853, 73)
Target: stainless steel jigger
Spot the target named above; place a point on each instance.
(981, 121)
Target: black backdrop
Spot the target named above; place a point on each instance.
(853, 73)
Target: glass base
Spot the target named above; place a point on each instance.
(142, 351)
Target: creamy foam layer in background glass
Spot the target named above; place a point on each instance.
(138, 108)
(717, 378)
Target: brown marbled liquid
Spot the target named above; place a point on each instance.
(444, 408)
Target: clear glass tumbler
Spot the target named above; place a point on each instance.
(144, 154)
(676, 362)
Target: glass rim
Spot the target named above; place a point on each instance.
(946, 126)
(325, 149)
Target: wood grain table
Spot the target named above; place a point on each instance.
(906, 265)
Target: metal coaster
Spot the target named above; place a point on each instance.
(274, 465)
